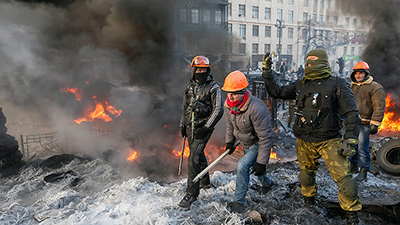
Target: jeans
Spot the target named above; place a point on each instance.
(243, 174)
(363, 157)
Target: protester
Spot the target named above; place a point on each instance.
(370, 98)
(247, 120)
(320, 99)
(202, 109)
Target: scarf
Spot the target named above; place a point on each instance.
(319, 68)
(237, 105)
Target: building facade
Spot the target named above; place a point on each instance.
(291, 28)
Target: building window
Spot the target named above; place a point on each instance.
(322, 4)
(290, 2)
(255, 12)
(327, 19)
(305, 34)
(290, 15)
(242, 11)
(267, 48)
(280, 1)
(255, 30)
(344, 50)
(362, 23)
(321, 18)
(242, 29)
(195, 16)
(182, 16)
(278, 48)
(229, 28)
(352, 50)
(335, 34)
(328, 4)
(337, 5)
(305, 3)
(346, 22)
(304, 49)
(290, 32)
(268, 13)
(255, 48)
(267, 31)
(218, 17)
(229, 9)
(242, 48)
(335, 20)
(207, 16)
(314, 17)
(315, 3)
(354, 23)
(305, 17)
(289, 49)
(279, 14)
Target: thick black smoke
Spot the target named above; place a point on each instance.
(382, 50)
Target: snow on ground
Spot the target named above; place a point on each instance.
(95, 193)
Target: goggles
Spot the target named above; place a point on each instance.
(200, 61)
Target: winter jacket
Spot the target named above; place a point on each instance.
(370, 98)
(252, 125)
(203, 102)
(319, 106)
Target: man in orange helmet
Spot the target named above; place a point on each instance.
(202, 109)
(247, 120)
(370, 98)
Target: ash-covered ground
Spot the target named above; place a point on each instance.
(73, 190)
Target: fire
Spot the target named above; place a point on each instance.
(76, 91)
(388, 122)
(186, 152)
(133, 156)
(273, 155)
(102, 111)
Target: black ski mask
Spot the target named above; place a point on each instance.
(200, 77)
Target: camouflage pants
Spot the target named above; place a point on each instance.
(308, 154)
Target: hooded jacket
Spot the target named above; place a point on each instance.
(204, 101)
(333, 98)
(251, 126)
(370, 98)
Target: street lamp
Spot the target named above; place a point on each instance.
(280, 24)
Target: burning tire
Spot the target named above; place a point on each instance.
(388, 157)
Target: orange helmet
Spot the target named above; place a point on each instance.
(361, 66)
(200, 61)
(235, 81)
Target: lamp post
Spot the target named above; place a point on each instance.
(280, 24)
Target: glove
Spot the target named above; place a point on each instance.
(349, 147)
(267, 62)
(259, 169)
(201, 132)
(373, 129)
(230, 147)
(183, 131)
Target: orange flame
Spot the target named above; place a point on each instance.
(76, 91)
(132, 156)
(388, 122)
(273, 155)
(186, 152)
(101, 111)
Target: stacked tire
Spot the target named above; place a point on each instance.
(388, 157)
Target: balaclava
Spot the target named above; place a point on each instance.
(201, 77)
(318, 68)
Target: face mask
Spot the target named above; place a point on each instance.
(200, 77)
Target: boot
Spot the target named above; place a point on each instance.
(265, 190)
(352, 218)
(362, 176)
(237, 207)
(353, 167)
(187, 201)
(309, 201)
